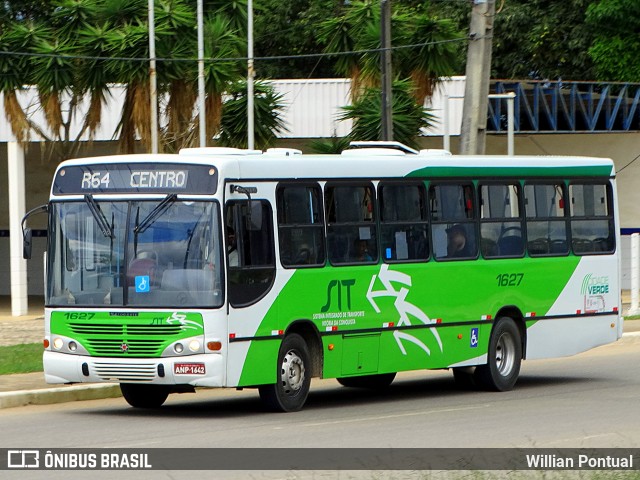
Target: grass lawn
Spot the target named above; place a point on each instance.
(24, 358)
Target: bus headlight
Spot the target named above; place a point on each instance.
(64, 344)
(184, 346)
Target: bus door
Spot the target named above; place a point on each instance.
(251, 275)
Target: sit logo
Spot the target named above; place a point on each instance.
(341, 287)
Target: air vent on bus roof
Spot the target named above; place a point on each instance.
(435, 152)
(283, 151)
(372, 152)
(218, 151)
(386, 145)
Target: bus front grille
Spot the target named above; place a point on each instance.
(121, 329)
(109, 347)
(126, 339)
(124, 372)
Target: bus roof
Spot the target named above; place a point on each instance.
(369, 163)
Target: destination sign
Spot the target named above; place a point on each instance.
(136, 178)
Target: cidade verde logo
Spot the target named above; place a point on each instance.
(595, 284)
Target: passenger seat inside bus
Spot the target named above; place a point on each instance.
(188, 280)
(145, 263)
(510, 246)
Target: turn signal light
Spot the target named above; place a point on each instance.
(45, 343)
(214, 346)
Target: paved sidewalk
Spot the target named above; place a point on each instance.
(30, 388)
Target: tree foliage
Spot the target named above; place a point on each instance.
(268, 122)
(409, 118)
(73, 49)
(534, 39)
(428, 45)
(289, 29)
(616, 47)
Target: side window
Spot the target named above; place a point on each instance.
(351, 228)
(403, 222)
(250, 250)
(300, 225)
(592, 229)
(546, 222)
(453, 227)
(500, 221)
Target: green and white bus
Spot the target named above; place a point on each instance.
(231, 268)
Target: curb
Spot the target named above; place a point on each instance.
(48, 396)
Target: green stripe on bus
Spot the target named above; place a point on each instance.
(488, 171)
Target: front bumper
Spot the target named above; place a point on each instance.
(66, 368)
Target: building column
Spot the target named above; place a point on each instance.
(15, 159)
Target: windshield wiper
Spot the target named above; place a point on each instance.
(101, 220)
(155, 213)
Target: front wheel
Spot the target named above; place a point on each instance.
(290, 391)
(144, 396)
(503, 359)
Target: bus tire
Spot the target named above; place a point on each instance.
(293, 374)
(374, 382)
(503, 358)
(144, 396)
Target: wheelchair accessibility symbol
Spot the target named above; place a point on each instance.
(142, 284)
(474, 338)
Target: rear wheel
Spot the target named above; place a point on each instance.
(503, 359)
(375, 382)
(144, 396)
(290, 391)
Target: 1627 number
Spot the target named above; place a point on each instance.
(509, 279)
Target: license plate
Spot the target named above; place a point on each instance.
(188, 368)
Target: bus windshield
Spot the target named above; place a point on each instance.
(152, 253)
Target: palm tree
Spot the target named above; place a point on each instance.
(92, 76)
(221, 43)
(343, 34)
(409, 117)
(127, 43)
(235, 11)
(14, 73)
(437, 56)
(177, 79)
(267, 104)
(359, 30)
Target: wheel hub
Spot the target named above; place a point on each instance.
(505, 354)
(293, 372)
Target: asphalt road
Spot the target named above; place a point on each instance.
(589, 400)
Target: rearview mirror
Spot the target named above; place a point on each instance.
(27, 236)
